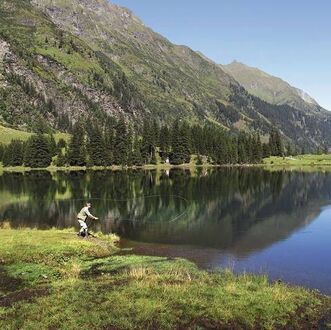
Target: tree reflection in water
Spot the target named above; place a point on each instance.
(231, 208)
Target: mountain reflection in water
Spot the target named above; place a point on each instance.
(219, 217)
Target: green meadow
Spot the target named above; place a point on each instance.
(54, 280)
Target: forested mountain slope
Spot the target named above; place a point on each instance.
(62, 60)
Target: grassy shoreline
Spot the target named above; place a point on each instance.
(300, 162)
(103, 168)
(55, 279)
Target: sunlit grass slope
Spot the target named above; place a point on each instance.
(8, 134)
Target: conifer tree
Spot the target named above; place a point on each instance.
(233, 150)
(148, 142)
(96, 148)
(129, 141)
(2, 150)
(175, 144)
(109, 137)
(180, 143)
(250, 148)
(61, 160)
(164, 139)
(257, 149)
(289, 150)
(7, 156)
(199, 160)
(121, 143)
(155, 132)
(61, 144)
(13, 154)
(196, 134)
(242, 152)
(37, 152)
(52, 145)
(221, 149)
(278, 144)
(136, 158)
(325, 149)
(266, 150)
(77, 146)
(275, 143)
(185, 142)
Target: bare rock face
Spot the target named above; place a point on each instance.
(306, 97)
(4, 56)
(107, 27)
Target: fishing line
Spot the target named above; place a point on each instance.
(173, 219)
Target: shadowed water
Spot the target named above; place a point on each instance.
(253, 220)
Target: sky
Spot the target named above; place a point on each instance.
(290, 39)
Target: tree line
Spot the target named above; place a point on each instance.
(116, 143)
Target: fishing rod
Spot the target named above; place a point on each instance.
(173, 219)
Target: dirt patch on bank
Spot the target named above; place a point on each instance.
(8, 283)
(23, 295)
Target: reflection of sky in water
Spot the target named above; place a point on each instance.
(303, 258)
(246, 219)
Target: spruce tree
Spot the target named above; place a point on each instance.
(109, 137)
(180, 143)
(234, 151)
(221, 148)
(129, 142)
(325, 149)
(18, 153)
(96, 148)
(175, 144)
(61, 160)
(13, 154)
(148, 142)
(275, 143)
(61, 144)
(257, 149)
(37, 152)
(7, 156)
(77, 146)
(164, 139)
(272, 143)
(121, 143)
(266, 150)
(278, 144)
(242, 152)
(199, 160)
(2, 150)
(185, 142)
(289, 150)
(52, 145)
(136, 157)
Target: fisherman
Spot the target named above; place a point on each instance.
(82, 217)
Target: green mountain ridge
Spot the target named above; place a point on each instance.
(269, 88)
(63, 60)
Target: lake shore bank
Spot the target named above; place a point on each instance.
(302, 162)
(53, 278)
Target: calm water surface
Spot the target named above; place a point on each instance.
(252, 220)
